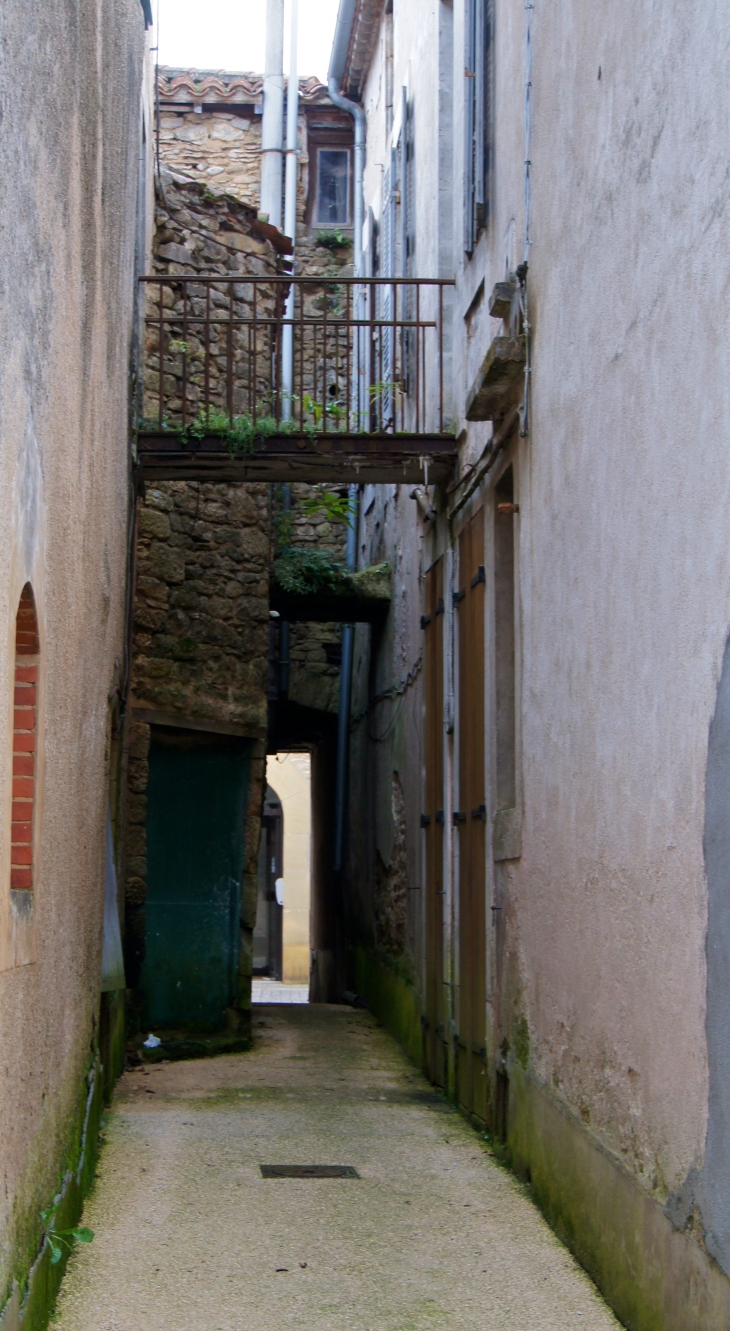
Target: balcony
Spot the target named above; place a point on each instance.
(274, 378)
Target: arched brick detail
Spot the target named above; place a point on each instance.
(27, 647)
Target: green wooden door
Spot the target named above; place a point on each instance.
(196, 810)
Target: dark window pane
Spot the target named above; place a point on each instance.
(333, 186)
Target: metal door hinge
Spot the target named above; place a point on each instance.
(459, 818)
(440, 819)
(425, 621)
(459, 596)
(425, 820)
(480, 813)
(479, 576)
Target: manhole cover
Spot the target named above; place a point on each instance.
(309, 1171)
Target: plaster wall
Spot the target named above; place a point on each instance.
(289, 774)
(623, 599)
(625, 572)
(72, 97)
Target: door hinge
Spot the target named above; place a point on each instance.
(425, 820)
(459, 818)
(425, 621)
(479, 576)
(459, 596)
(480, 813)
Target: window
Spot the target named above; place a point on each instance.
(477, 118)
(24, 743)
(333, 187)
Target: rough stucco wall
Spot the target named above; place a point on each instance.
(624, 573)
(71, 94)
(386, 766)
(384, 855)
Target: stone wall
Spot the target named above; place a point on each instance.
(315, 649)
(200, 657)
(197, 232)
(222, 148)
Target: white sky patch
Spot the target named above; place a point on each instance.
(231, 34)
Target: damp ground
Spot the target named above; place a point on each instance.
(189, 1236)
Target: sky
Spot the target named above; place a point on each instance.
(230, 34)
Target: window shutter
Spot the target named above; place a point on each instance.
(469, 116)
(477, 118)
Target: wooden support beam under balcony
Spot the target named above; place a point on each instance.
(336, 458)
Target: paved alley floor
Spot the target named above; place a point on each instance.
(434, 1234)
(276, 991)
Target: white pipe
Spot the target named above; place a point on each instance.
(336, 71)
(272, 127)
(358, 116)
(290, 209)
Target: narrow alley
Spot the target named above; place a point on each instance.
(432, 1234)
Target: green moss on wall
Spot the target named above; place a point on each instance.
(36, 1287)
(653, 1276)
(112, 1039)
(392, 999)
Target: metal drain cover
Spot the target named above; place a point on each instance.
(308, 1171)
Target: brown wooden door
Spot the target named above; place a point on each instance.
(470, 821)
(433, 819)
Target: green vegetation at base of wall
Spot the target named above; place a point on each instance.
(653, 1276)
(31, 1304)
(391, 999)
(112, 1039)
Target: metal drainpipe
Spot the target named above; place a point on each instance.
(284, 635)
(343, 715)
(290, 213)
(348, 632)
(272, 121)
(287, 337)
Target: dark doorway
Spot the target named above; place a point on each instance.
(268, 933)
(197, 795)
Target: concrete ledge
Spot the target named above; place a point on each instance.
(653, 1276)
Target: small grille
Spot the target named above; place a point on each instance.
(309, 1171)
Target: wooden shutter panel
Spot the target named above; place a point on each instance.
(469, 117)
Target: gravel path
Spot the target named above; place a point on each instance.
(434, 1235)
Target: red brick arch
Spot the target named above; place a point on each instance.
(27, 647)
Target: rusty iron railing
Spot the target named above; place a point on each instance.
(367, 354)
